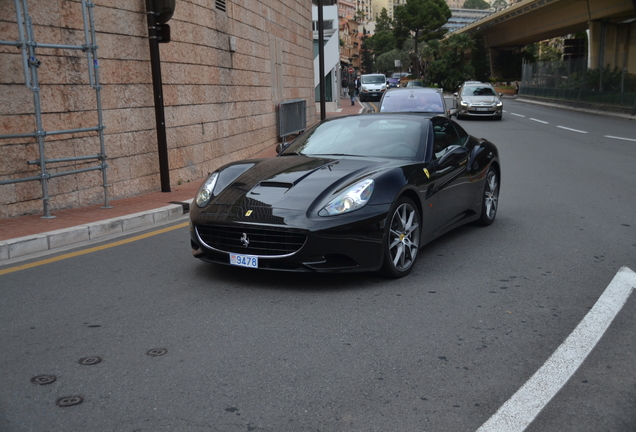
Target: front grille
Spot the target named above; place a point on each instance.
(262, 241)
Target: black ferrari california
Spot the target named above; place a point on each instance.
(356, 193)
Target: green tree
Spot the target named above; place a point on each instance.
(499, 4)
(446, 65)
(359, 16)
(421, 21)
(386, 62)
(380, 42)
(366, 55)
(479, 58)
(476, 4)
(383, 22)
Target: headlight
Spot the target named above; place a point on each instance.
(353, 198)
(500, 103)
(463, 103)
(205, 191)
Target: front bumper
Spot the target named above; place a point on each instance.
(352, 247)
(479, 111)
(371, 94)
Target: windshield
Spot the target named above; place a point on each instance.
(373, 79)
(478, 91)
(399, 101)
(372, 136)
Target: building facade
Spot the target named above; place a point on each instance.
(351, 38)
(365, 10)
(463, 17)
(346, 9)
(331, 47)
(227, 66)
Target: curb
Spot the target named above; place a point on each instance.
(48, 241)
(627, 116)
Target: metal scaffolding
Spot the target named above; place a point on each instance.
(30, 63)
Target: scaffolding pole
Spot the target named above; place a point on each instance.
(30, 63)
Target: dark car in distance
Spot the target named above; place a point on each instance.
(354, 193)
(392, 82)
(423, 100)
(414, 83)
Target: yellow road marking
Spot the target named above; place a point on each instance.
(90, 250)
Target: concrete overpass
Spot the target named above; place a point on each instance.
(611, 25)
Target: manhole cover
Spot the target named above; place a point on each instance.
(67, 401)
(87, 361)
(156, 352)
(43, 379)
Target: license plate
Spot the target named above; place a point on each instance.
(482, 109)
(244, 260)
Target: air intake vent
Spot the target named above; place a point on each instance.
(261, 241)
(220, 5)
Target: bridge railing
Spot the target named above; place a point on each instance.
(571, 81)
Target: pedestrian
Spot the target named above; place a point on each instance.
(357, 85)
(345, 86)
(352, 92)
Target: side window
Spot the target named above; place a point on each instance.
(446, 135)
(461, 134)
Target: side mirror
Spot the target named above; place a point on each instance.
(453, 152)
(455, 94)
(500, 94)
(281, 146)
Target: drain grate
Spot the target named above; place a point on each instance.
(43, 379)
(68, 401)
(88, 361)
(156, 352)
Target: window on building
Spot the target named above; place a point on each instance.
(326, 25)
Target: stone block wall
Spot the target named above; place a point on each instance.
(223, 74)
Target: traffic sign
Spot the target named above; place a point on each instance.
(350, 70)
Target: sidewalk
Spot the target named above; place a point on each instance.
(26, 235)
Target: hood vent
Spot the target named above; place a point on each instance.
(275, 184)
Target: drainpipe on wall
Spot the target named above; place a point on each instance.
(157, 86)
(321, 61)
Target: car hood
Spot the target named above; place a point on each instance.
(292, 182)
(480, 99)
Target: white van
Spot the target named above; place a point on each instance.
(372, 86)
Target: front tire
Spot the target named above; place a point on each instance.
(402, 239)
(490, 200)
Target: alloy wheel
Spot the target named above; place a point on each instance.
(491, 195)
(404, 237)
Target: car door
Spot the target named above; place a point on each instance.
(450, 170)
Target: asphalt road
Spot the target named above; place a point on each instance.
(173, 344)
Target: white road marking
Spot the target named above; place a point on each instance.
(620, 138)
(540, 121)
(521, 409)
(518, 115)
(573, 130)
